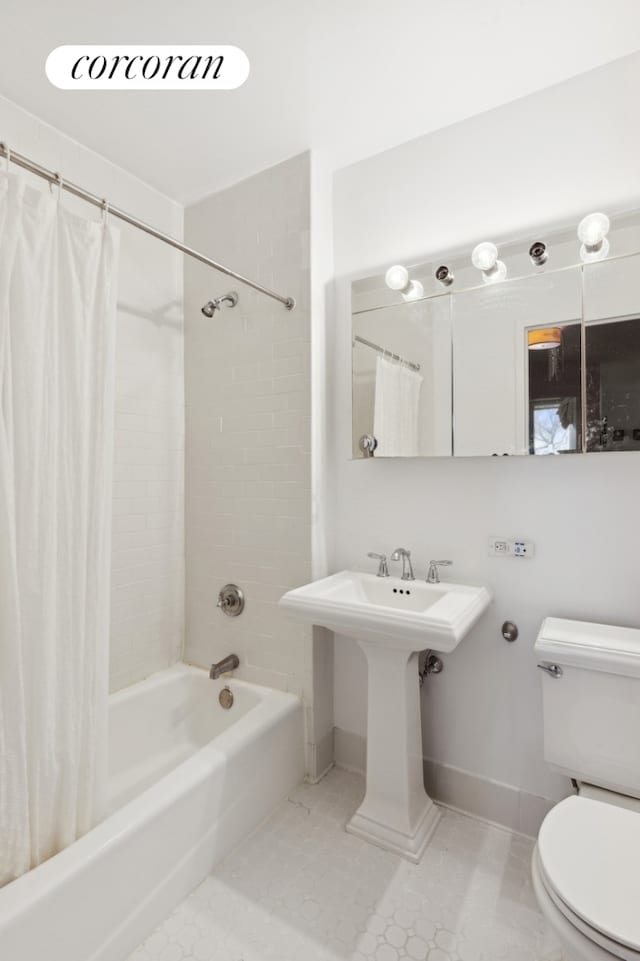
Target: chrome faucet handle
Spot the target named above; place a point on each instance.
(407, 566)
(383, 568)
(433, 577)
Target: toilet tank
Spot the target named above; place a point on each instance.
(592, 709)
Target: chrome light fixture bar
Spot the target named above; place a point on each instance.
(555, 255)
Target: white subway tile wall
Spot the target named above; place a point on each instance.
(248, 434)
(148, 555)
(147, 613)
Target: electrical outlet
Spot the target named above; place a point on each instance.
(498, 547)
(510, 547)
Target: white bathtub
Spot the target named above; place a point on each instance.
(188, 780)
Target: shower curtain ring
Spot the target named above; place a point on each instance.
(105, 211)
(59, 184)
(7, 153)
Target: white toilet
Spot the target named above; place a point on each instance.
(586, 864)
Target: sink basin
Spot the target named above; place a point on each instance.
(392, 620)
(406, 615)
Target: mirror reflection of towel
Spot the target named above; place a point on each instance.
(395, 418)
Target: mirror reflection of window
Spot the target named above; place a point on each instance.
(555, 423)
(554, 428)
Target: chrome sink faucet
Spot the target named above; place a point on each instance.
(407, 566)
(383, 567)
(229, 663)
(433, 577)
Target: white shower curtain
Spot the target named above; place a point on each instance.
(396, 409)
(57, 330)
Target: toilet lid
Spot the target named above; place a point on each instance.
(589, 852)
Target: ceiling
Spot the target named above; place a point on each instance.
(350, 78)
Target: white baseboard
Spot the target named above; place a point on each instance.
(470, 793)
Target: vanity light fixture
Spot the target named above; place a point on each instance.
(444, 276)
(485, 258)
(538, 253)
(397, 278)
(592, 232)
(544, 338)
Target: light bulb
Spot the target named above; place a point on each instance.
(592, 231)
(484, 256)
(415, 291)
(397, 277)
(593, 228)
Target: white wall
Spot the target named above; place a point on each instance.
(321, 757)
(542, 160)
(148, 568)
(248, 452)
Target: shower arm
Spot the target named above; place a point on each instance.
(54, 178)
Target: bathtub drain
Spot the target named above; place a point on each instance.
(226, 698)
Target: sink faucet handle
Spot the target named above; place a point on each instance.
(383, 568)
(407, 566)
(433, 577)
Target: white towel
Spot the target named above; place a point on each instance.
(395, 417)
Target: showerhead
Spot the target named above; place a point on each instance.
(228, 300)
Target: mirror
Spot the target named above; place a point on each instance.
(402, 379)
(612, 352)
(544, 359)
(516, 363)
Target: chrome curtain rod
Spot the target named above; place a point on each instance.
(386, 353)
(54, 178)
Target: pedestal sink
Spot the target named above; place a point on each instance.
(392, 620)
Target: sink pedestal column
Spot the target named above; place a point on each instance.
(397, 813)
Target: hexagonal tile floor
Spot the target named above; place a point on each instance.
(301, 889)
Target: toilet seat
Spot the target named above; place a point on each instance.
(578, 941)
(583, 941)
(588, 860)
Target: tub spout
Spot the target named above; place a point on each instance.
(227, 664)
